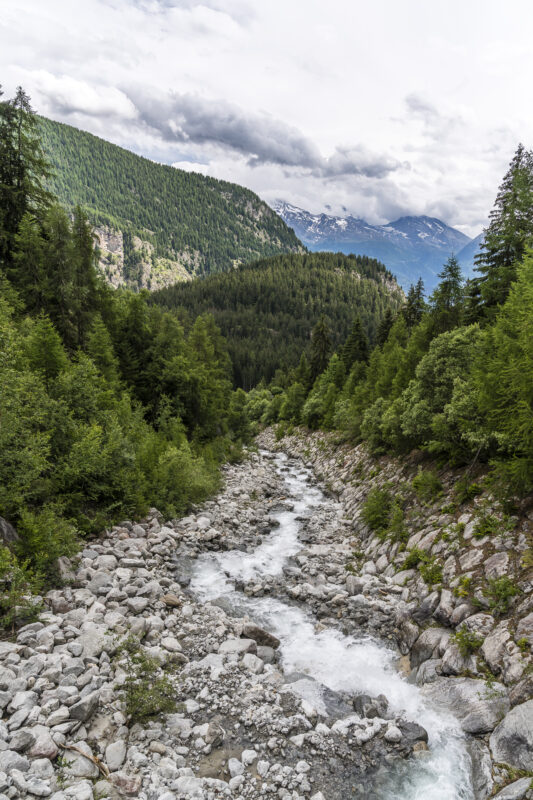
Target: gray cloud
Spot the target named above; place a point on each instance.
(260, 138)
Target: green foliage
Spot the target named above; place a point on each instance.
(465, 490)
(414, 557)
(430, 570)
(377, 508)
(427, 486)
(19, 585)
(468, 642)
(147, 690)
(204, 224)
(267, 310)
(396, 530)
(499, 593)
(486, 525)
(464, 587)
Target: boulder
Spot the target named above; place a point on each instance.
(515, 791)
(238, 646)
(262, 637)
(524, 629)
(476, 705)
(512, 741)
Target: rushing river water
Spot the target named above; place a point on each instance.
(341, 663)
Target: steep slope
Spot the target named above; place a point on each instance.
(411, 247)
(267, 310)
(157, 224)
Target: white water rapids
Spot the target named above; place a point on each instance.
(339, 662)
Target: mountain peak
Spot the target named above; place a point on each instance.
(409, 246)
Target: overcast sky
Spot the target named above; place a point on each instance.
(378, 108)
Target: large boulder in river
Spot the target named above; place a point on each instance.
(479, 707)
(512, 741)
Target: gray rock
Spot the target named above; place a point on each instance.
(477, 706)
(115, 754)
(524, 629)
(8, 534)
(482, 781)
(10, 760)
(22, 740)
(426, 608)
(496, 565)
(444, 610)
(238, 646)
(432, 641)
(522, 692)
(85, 707)
(515, 791)
(512, 741)
(38, 788)
(494, 647)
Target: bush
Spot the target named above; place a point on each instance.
(427, 486)
(19, 586)
(499, 592)
(377, 508)
(468, 642)
(431, 571)
(486, 525)
(413, 558)
(147, 690)
(464, 490)
(396, 530)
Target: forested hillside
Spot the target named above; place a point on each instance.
(107, 407)
(267, 310)
(158, 224)
(453, 375)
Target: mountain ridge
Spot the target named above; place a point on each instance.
(157, 224)
(410, 246)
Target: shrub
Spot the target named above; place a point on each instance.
(147, 690)
(486, 525)
(19, 586)
(431, 571)
(464, 587)
(396, 530)
(468, 642)
(464, 490)
(377, 508)
(499, 592)
(414, 557)
(427, 486)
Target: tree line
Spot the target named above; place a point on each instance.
(107, 405)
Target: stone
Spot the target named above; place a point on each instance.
(79, 766)
(248, 757)
(477, 706)
(137, 604)
(515, 791)
(454, 663)
(393, 734)
(10, 760)
(171, 600)
(44, 746)
(496, 565)
(235, 767)
(8, 534)
(522, 691)
(128, 784)
(426, 608)
(512, 741)
(444, 610)
(83, 710)
(431, 641)
(253, 663)
(38, 788)
(354, 585)
(412, 732)
(261, 636)
(482, 779)
(22, 740)
(238, 646)
(524, 629)
(494, 648)
(115, 754)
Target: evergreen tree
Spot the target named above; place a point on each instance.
(356, 346)
(84, 274)
(320, 348)
(384, 328)
(100, 349)
(415, 305)
(509, 231)
(23, 169)
(447, 299)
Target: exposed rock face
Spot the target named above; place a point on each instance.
(478, 707)
(512, 741)
(8, 534)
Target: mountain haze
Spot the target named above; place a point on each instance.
(158, 224)
(411, 247)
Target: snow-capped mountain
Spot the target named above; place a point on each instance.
(411, 247)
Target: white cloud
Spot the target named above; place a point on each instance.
(385, 108)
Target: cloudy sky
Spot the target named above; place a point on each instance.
(377, 109)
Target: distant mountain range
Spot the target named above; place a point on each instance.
(410, 247)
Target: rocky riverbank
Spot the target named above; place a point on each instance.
(465, 625)
(240, 726)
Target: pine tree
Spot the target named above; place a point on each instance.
(320, 348)
(84, 275)
(447, 299)
(415, 305)
(100, 349)
(509, 231)
(23, 169)
(356, 346)
(384, 328)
